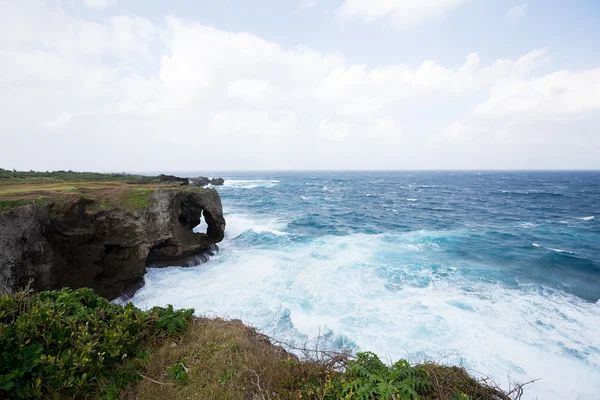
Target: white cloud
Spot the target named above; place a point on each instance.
(59, 122)
(517, 12)
(546, 122)
(401, 14)
(556, 95)
(99, 4)
(308, 3)
(127, 94)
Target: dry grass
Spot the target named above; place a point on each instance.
(228, 360)
(101, 195)
(54, 187)
(449, 380)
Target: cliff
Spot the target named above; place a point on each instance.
(103, 236)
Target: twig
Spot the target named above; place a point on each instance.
(257, 383)
(518, 389)
(152, 380)
(437, 383)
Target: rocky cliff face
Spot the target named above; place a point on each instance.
(84, 245)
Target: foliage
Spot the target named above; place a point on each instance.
(171, 322)
(178, 373)
(460, 396)
(140, 199)
(64, 343)
(12, 177)
(368, 378)
(7, 204)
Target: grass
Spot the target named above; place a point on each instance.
(7, 204)
(219, 359)
(8, 177)
(105, 191)
(101, 195)
(140, 198)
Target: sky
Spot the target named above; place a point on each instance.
(194, 85)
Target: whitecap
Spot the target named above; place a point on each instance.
(237, 224)
(551, 249)
(560, 251)
(411, 199)
(527, 225)
(587, 218)
(250, 183)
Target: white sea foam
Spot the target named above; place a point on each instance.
(251, 183)
(202, 227)
(339, 285)
(411, 199)
(527, 225)
(551, 249)
(238, 224)
(587, 218)
(560, 250)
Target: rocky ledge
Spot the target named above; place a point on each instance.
(104, 243)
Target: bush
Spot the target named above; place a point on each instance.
(140, 199)
(64, 343)
(366, 378)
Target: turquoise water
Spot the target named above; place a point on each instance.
(499, 272)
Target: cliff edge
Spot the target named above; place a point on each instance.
(103, 236)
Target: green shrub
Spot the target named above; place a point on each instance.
(178, 373)
(140, 199)
(7, 204)
(169, 321)
(368, 378)
(63, 343)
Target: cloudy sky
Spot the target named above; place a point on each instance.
(148, 85)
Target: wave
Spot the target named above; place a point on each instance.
(238, 224)
(591, 218)
(376, 291)
(532, 193)
(560, 251)
(527, 225)
(551, 249)
(251, 183)
(411, 199)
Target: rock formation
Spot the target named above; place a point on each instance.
(83, 244)
(164, 179)
(204, 181)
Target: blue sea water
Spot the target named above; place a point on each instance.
(496, 271)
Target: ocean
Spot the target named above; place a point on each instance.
(496, 271)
